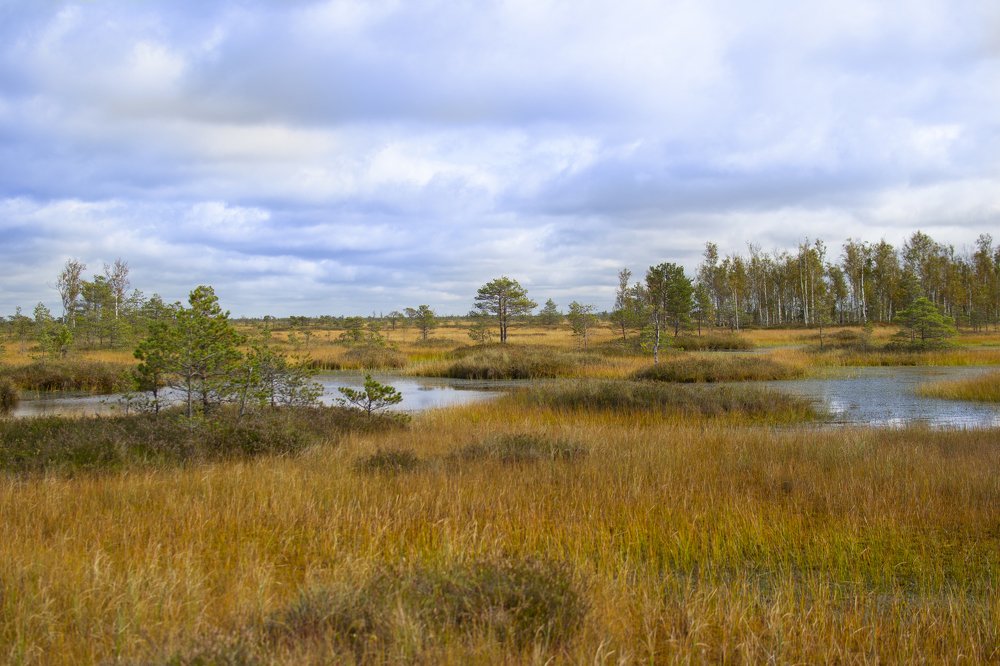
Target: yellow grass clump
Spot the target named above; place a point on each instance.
(985, 388)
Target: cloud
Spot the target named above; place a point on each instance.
(343, 156)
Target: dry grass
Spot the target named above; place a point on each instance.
(698, 368)
(685, 542)
(985, 388)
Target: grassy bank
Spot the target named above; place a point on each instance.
(985, 388)
(664, 542)
(727, 368)
(69, 375)
(114, 443)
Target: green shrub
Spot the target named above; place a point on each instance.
(727, 368)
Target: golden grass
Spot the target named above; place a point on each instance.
(985, 388)
(692, 542)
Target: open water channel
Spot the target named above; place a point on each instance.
(854, 396)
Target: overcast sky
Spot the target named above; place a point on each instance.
(345, 157)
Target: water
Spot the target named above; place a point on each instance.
(886, 396)
(855, 396)
(419, 394)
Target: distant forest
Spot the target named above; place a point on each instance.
(868, 282)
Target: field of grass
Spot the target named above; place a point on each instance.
(595, 519)
(555, 537)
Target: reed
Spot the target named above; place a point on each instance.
(985, 388)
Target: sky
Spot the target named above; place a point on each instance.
(347, 157)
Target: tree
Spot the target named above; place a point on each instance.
(374, 397)
(704, 307)
(669, 297)
(196, 351)
(924, 326)
(479, 329)
(70, 284)
(504, 299)
(549, 316)
(629, 311)
(423, 318)
(581, 320)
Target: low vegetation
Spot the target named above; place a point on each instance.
(985, 388)
(624, 397)
(69, 375)
(521, 448)
(712, 342)
(497, 361)
(9, 397)
(727, 368)
(102, 444)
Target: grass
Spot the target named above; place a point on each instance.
(521, 448)
(739, 403)
(985, 388)
(69, 375)
(712, 342)
(510, 361)
(728, 368)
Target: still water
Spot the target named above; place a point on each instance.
(855, 396)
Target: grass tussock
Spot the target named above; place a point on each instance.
(727, 368)
(398, 612)
(101, 444)
(9, 397)
(985, 388)
(69, 375)
(389, 461)
(522, 448)
(884, 357)
(740, 402)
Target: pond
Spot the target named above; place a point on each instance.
(886, 396)
(855, 396)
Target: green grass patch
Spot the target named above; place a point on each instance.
(726, 368)
(746, 402)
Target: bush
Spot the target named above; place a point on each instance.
(728, 368)
(522, 447)
(516, 601)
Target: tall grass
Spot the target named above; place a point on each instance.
(985, 388)
(508, 361)
(728, 368)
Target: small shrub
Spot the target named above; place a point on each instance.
(728, 368)
(8, 397)
(389, 461)
(522, 447)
